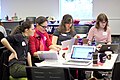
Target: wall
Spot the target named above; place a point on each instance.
(0, 9)
(25, 8)
(111, 9)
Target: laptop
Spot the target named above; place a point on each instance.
(109, 47)
(81, 55)
(48, 55)
(68, 44)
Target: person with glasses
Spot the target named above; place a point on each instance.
(40, 41)
(101, 32)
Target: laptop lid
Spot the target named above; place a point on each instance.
(82, 52)
(50, 55)
(109, 47)
(68, 44)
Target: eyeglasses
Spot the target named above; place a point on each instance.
(44, 26)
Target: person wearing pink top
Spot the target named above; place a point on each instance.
(101, 31)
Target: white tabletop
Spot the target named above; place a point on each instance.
(108, 65)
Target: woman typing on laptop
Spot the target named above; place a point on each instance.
(100, 33)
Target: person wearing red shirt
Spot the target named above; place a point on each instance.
(40, 41)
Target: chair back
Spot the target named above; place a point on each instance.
(47, 73)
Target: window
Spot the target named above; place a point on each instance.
(79, 9)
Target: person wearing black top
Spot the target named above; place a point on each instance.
(66, 32)
(18, 45)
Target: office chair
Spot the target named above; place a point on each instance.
(47, 73)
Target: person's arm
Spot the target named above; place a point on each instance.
(54, 40)
(109, 36)
(29, 59)
(51, 46)
(9, 47)
(90, 35)
(32, 46)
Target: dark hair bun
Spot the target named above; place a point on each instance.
(41, 20)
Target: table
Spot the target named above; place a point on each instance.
(107, 66)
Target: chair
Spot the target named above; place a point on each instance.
(32, 19)
(11, 78)
(48, 73)
(8, 31)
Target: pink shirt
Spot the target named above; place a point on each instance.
(99, 34)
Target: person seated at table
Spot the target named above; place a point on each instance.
(65, 32)
(18, 45)
(2, 29)
(40, 41)
(100, 33)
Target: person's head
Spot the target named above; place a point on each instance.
(41, 23)
(66, 23)
(27, 28)
(102, 21)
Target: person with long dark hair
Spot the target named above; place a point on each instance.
(18, 46)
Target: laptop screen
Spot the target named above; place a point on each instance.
(82, 52)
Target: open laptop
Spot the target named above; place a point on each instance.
(81, 55)
(68, 44)
(48, 55)
(109, 47)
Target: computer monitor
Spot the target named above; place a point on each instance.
(81, 29)
(32, 19)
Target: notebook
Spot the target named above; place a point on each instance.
(109, 47)
(48, 55)
(81, 55)
(68, 44)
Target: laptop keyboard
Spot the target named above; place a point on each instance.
(79, 61)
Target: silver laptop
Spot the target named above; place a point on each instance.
(81, 55)
(48, 55)
(68, 44)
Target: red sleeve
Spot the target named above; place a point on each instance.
(32, 45)
(48, 41)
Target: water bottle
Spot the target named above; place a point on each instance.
(80, 42)
(95, 58)
(93, 42)
(6, 18)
